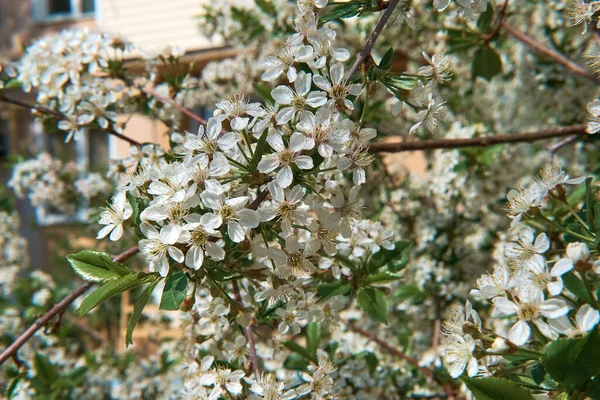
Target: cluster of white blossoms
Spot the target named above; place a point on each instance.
(80, 78)
(57, 186)
(13, 251)
(526, 287)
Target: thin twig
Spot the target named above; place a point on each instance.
(555, 55)
(57, 309)
(552, 150)
(391, 349)
(371, 41)
(478, 141)
(259, 199)
(248, 331)
(399, 353)
(86, 328)
(61, 116)
(496, 29)
(168, 100)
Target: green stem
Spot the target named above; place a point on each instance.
(364, 110)
(577, 217)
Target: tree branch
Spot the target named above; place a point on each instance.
(371, 41)
(168, 100)
(398, 353)
(57, 309)
(555, 55)
(248, 331)
(550, 133)
(61, 116)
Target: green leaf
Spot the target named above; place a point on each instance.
(486, 63)
(538, 373)
(296, 348)
(267, 6)
(496, 389)
(410, 292)
(138, 307)
(485, 20)
(136, 208)
(396, 83)
(264, 92)
(313, 337)
(175, 291)
(219, 274)
(383, 277)
(112, 288)
(349, 10)
(95, 266)
(332, 289)
(261, 146)
(577, 287)
(12, 386)
(593, 389)
(573, 362)
(373, 302)
(396, 259)
(45, 371)
(386, 61)
(459, 39)
(296, 362)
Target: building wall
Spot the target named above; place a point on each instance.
(152, 24)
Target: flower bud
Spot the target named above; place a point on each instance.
(578, 252)
(501, 346)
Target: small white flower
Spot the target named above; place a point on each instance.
(529, 306)
(230, 212)
(284, 158)
(458, 355)
(158, 244)
(113, 217)
(297, 100)
(576, 253)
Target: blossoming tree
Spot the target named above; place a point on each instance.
(298, 259)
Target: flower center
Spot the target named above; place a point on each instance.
(286, 157)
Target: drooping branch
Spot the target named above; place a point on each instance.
(61, 116)
(553, 54)
(56, 310)
(396, 147)
(374, 35)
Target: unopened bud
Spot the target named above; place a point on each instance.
(578, 252)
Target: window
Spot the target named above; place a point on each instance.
(56, 10)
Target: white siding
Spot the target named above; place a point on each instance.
(152, 24)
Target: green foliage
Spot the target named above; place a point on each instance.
(496, 389)
(486, 63)
(138, 307)
(332, 289)
(112, 288)
(348, 10)
(175, 291)
(302, 351)
(395, 259)
(373, 302)
(574, 362)
(578, 288)
(95, 266)
(313, 337)
(484, 22)
(386, 61)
